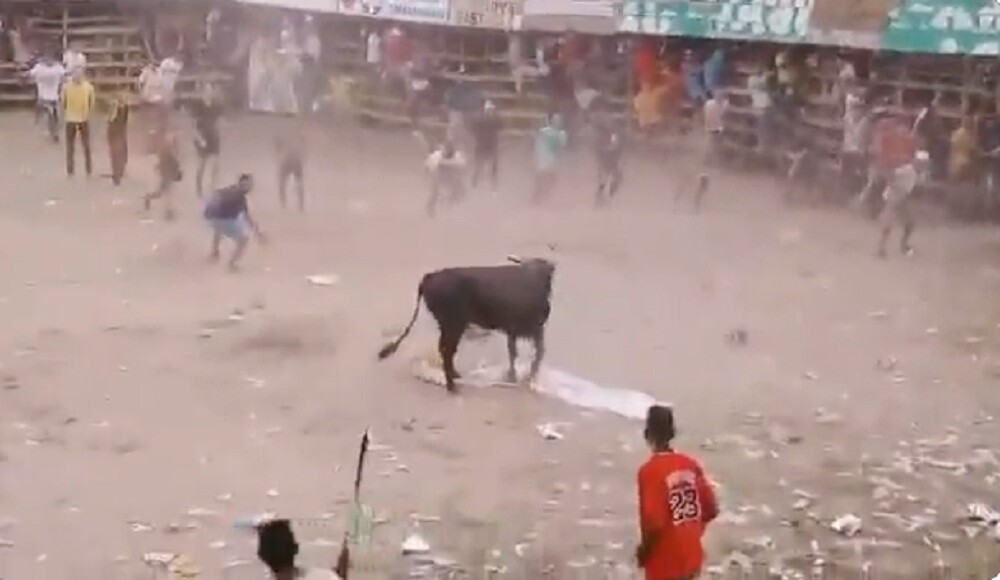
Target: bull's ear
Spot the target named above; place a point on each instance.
(514, 259)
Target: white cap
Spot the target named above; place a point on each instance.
(923, 156)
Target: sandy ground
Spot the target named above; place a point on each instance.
(130, 398)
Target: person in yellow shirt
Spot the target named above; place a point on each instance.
(649, 105)
(78, 104)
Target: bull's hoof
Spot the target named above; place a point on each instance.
(510, 377)
(452, 389)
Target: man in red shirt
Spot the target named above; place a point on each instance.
(893, 146)
(676, 503)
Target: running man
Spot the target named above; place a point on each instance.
(277, 549)
(608, 148)
(291, 152)
(446, 166)
(550, 142)
(676, 503)
(897, 212)
(48, 75)
(168, 168)
(486, 129)
(207, 142)
(228, 212)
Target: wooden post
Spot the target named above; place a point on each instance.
(65, 25)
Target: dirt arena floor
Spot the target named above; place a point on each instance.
(150, 399)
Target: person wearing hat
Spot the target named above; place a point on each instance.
(676, 503)
(277, 549)
(896, 211)
(486, 129)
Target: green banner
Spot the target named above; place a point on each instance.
(769, 20)
(944, 27)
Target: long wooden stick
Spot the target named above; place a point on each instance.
(344, 559)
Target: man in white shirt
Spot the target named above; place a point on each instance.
(48, 75)
(373, 52)
(168, 71)
(277, 548)
(761, 102)
(74, 60)
(445, 166)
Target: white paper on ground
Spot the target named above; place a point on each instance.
(558, 384)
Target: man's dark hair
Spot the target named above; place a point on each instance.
(660, 425)
(244, 177)
(276, 545)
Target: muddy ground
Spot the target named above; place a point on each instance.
(137, 414)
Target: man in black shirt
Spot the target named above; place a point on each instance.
(486, 143)
(229, 213)
(206, 113)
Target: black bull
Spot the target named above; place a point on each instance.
(514, 299)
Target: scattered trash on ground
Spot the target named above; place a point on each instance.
(415, 544)
(323, 279)
(847, 525)
(550, 432)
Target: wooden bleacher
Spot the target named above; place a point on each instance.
(476, 57)
(113, 42)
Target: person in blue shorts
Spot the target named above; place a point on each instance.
(229, 213)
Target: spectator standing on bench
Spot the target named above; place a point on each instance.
(78, 104)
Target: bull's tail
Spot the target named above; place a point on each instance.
(390, 348)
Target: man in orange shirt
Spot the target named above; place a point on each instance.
(676, 503)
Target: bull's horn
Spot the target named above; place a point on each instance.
(514, 259)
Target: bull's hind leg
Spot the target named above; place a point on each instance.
(447, 347)
(511, 376)
(536, 364)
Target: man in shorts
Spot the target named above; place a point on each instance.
(290, 147)
(48, 75)
(446, 168)
(608, 147)
(896, 212)
(228, 212)
(168, 168)
(207, 142)
(676, 504)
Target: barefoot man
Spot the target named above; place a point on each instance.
(228, 212)
(168, 169)
(290, 146)
(897, 212)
